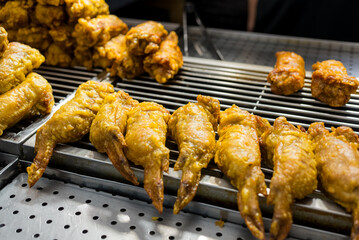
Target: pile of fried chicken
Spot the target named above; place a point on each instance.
(83, 33)
(127, 130)
(23, 94)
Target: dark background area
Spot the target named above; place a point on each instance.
(322, 19)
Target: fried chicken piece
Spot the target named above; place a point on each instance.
(192, 126)
(34, 36)
(146, 137)
(68, 124)
(165, 63)
(238, 156)
(126, 65)
(337, 157)
(288, 74)
(4, 42)
(62, 35)
(331, 83)
(108, 128)
(14, 15)
(85, 8)
(105, 55)
(99, 30)
(83, 57)
(31, 98)
(49, 16)
(51, 2)
(145, 38)
(58, 56)
(18, 60)
(295, 173)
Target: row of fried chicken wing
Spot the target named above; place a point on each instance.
(130, 131)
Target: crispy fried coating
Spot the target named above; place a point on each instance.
(58, 56)
(83, 57)
(18, 60)
(192, 126)
(51, 2)
(126, 65)
(49, 16)
(146, 137)
(145, 38)
(105, 55)
(165, 63)
(85, 8)
(239, 158)
(31, 98)
(4, 42)
(337, 157)
(108, 129)
(288, 74)
(295, 173)
(14, 14)
(62, 35)
(99, 30)
(68, 124)
(34, 36)
(331, 83)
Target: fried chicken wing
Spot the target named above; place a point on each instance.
(83, 57)
(126, 65)
(145, 38)
(99, 30)
(62, 35)
(108, 128)
(238, 156)
(105, 55)
(31, 98)
(165, 63)
(337, 157)
(295, 173)
(34, 36)
(51, 2)
(14, 15)
(58, 56)
(288, 74)
(68, 124)
(85, 8)
(192, 126)
(18, 60)
(331, 83)
(4, 42)
(146, 137)
(49, 16)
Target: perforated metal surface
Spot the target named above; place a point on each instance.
(56, 210)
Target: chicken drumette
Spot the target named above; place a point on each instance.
(145, 138)
(108, 128)
(337, 157)
(295, 173)
(105, 55)
(238, 156)
(165, 63)
(192, 126)
(68, 124)
(17, 61)
(32, 97)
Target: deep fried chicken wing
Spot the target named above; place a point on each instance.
(192, 126)
(85, 8)
(99, 30)
(62, 35)
(14, 15)
(295, 173)
(165, 63)
(83, 57)
(331, 83)
(108, 128)
(288, 74)
(18, 60)
(105, 55)
(146, 138)
(68, 124)
(58, 56)
(34, 36)
(145, 38)
(337, 157)
(49, 16)
(31, 98)
(238, 156)
(51, 2)
(4, 42)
